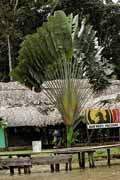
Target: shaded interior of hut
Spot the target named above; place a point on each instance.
(54, 136)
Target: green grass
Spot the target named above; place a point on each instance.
(20, 152)
(99, 154)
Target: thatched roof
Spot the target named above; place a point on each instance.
(29, 116)
(114, 88)
(105, 102)
(20, 106)
(108, 98)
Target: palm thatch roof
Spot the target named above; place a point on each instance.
(20, 106)
(107, 99)
(29, 116)
(105, 102)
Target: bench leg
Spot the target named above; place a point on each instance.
(29, 170)
(70, 165)
(66, 166)
(108, 157)
(25, 169)
(57, 167)
(91, 160)
(79, 160)
(83, 160)
(11, 170)
(19, 170)
(52, 168)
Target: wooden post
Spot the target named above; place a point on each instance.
(11, 171)
(57, 167)
(108, 157)
(66, 166)
(79, 160)
(70, 165)
(25, 169)
(48, 136)
(119, 133)
(19, 170)
(52, 168)
(6, 138)
(91, 159)
(29, 170)
(83, 160)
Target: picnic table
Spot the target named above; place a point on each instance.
(90, 151)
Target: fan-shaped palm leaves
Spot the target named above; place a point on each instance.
(55, 54)
(68, 92)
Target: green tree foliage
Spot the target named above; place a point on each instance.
(42, 49)
(104, 17)
(6, 29)
(49, 45)
(17, 19)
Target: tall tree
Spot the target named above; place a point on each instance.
(63, 55)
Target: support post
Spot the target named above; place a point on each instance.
(79, 160)
(91, 159)
(119, 133)
(66, 166)
(70, 165)
(52, 168)
(108, 157)
(57, 167)
(83, 160)
(11, 171)
(19, 170)
(25, 169)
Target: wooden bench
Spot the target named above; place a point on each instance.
(54, 161)
(19, 163)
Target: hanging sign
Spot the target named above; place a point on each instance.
(102, 118)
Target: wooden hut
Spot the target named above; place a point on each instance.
(28, 115)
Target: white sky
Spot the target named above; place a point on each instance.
(114, 1)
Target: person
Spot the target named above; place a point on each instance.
(57, 137)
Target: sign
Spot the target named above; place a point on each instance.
(107, 125)
(102, 118)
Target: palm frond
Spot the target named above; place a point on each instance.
(52, 43)
(67, 90)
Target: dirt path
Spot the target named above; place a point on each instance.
(43, 173)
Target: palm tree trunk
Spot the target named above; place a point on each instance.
(70, 138)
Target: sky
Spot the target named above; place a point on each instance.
(114, 1)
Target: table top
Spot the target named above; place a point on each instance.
(61, 150)
(86, 148)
